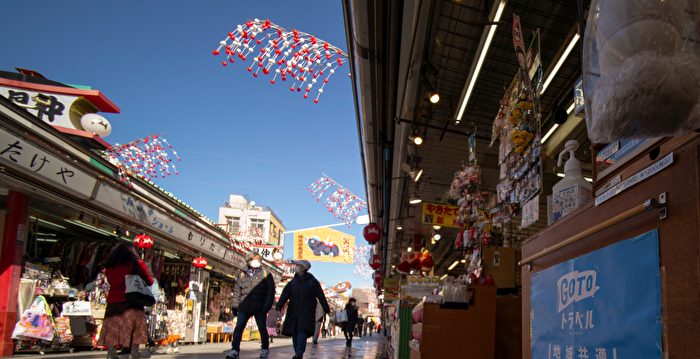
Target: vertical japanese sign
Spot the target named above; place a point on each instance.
(324, 245)
(600, 305)
(440, 215)
(18, 152)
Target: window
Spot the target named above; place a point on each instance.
(233, 224)
(257, 227)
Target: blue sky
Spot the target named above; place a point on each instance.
(235, 133)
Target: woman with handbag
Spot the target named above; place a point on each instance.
(352, 319)
(125, 320)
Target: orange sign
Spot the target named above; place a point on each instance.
(440, 215)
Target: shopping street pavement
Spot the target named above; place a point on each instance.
(364, 348)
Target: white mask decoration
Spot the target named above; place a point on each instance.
(255, 263)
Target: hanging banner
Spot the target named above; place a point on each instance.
(600, 305)
(440, 215)
(324, 245)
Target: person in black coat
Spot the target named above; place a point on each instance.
(253, 296)
(351, 324)
(302, 292)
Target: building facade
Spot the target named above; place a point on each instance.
(253, 226)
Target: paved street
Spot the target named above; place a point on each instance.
(365, 348)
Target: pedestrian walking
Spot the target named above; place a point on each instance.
(320, 317)
(271, 324)
(370, 327)
(304, 294)
(253, 296)
(125, 322)
(360, 325)
(350, 326)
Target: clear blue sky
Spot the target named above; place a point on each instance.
(235, 133)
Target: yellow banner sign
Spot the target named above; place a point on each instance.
(440, 215)
(324, 245)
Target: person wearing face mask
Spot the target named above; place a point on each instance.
(302, 292)
(253, 296)
(350, 326)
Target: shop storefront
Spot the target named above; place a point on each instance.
(63, 208)
(520, 207)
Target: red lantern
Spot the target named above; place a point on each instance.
(143, 241)
(377, 276)
(427, 262)
(372, 233)
(404, 267)
(375, 262)
(200, 262)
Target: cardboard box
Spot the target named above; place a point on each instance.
(499, 262)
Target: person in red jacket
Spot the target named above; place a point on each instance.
(124, 324)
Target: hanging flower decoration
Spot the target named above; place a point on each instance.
(199, 262)
(361, 262)
(303, 59)
(148, 157)
(343, 204)
(143, 241)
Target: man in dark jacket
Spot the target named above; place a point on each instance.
(253, 296)
(302, 292)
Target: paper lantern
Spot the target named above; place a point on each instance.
(427, 262)
(375, 262)
(372, 233)
(404, 267)
(94, 123)
(377, 275)
(200, 262)
(143, 241)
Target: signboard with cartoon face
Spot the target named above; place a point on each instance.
(600, 305)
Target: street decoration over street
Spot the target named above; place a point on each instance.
(339, 201)
(304, 59)
(148, 157)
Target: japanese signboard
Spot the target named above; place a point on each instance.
(440, 215)
(157, 220)
(266, 251)
(600, 305)
(49, 107)
(324, 245)
(17, 152)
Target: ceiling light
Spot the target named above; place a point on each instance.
(560, 175)
(436, 227)
(416, 139)
(411, 272)
(463, 261)
(393, 266)
(47, 240)
(414, 199)
(432, 240)
(561, 60)
(171, 256)
(47, 222)
(416, 174)
(482, 55)
(435, 97)
(437, 236)
(409, 249)
(399, 228)
(571, 108)
(549, 133)
(453, 265)
(443, 277)
(90, 227)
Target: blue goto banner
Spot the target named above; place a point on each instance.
(603, 305)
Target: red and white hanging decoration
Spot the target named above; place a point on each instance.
(148, 157)
(305, 60)
(339, 201)
(376, 262)
(143, 241)
(200, 262)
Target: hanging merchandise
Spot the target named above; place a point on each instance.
(426, 261)
(343, 204)
(148, 157)
(641, 69)
(303, 58)
(36, 322)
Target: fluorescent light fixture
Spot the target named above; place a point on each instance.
(571, 108)
(549, 133)
(436, 227)
(417, 176)
(414, 199)
(463, 261)
(560, 62)
(480, 61)
(90, 227)
(443, 277)
(208, 267)
(435, 97)
(399, 228)
(47, 240)
(174, 256)
(453, 265)
(47, 222)
(46, 234)
(559, 174)
(409, 249)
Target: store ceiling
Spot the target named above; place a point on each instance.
(456, 27)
